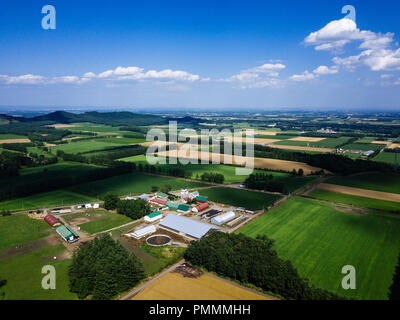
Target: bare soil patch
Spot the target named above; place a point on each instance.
(360, 192)
(15, 141)
(357, 212)
(188, 271)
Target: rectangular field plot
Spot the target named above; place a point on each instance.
(105, 221)
(320, 240)
(378, 181)
(240, 198)
(388, 157)
(45, 200)
(174, 286)
(132, 183)
(357, 201)
(85, 146)
(363, 146)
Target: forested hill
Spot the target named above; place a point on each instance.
(107, 118)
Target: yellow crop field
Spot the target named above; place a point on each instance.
(174, 286)
(15, 141)
(307, 139)
(277, 146)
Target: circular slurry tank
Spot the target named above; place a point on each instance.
(158, 240)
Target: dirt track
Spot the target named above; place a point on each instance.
(360, 192)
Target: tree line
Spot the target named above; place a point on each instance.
(252, 261)
(134, 209)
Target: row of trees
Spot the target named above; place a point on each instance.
(262, 181)
(102, 268)
(252, 261)
(134, 209)
(212, 177)
(11, 162)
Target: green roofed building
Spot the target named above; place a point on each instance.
(172, 205)
(67, 233)
(153, 216)
(162, 195)
(201, 199)
(184, 208)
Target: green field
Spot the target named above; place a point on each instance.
(357, 201)
(320, 240)
(6, 136)
(107, 221)
(122, 140)
(378, 181)
(39, 152)
(292, 183)
(363, 146)
(132, 183)
(45, 200)
(240, 198)
(387, 157)
(24, 277)
(84, 146)
(20, 228)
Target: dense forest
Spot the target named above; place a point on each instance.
(252, 261)
(262, 181)
(103, 268)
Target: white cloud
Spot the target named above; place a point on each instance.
(23, 79)
(258, 77)
(322, 70)
(305, 76)
(375, 52)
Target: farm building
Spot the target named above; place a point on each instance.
(200, 207)
(172, 205)
(159, 201)
(67, 233)
(96, 206)
(52, 220)
(154, 216)
(162, 195)
(201, 199)
(88, 205)
(368, 153)
(129, 198)
(184, 208)
(223, 218)
(142, 232)
(186, 226)
(146, 197)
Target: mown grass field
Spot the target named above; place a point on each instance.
(24, 277)
(378, 181)
(107, 221)
(6, 136)
(45, 200)
(320, 240)
(122, 140)
(20, 228)
(132, 183)
(240, 198)
(357, 201)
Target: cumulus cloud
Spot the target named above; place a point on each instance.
(262, 76)
(375, 47)
(320, 71)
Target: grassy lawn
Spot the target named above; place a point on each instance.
(107, 221)
(165, 255)
(378, 181)
(45, 200)
(357, 201)
(240, 198)
(24, 277)
(320, 240)
(20, 228)
(131, 183)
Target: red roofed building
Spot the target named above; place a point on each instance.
(159, 201)
(51, 220)
(200, 207)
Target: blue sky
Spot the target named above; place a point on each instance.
(201, 55)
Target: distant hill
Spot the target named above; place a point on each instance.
(107, 118)
(186, 120)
